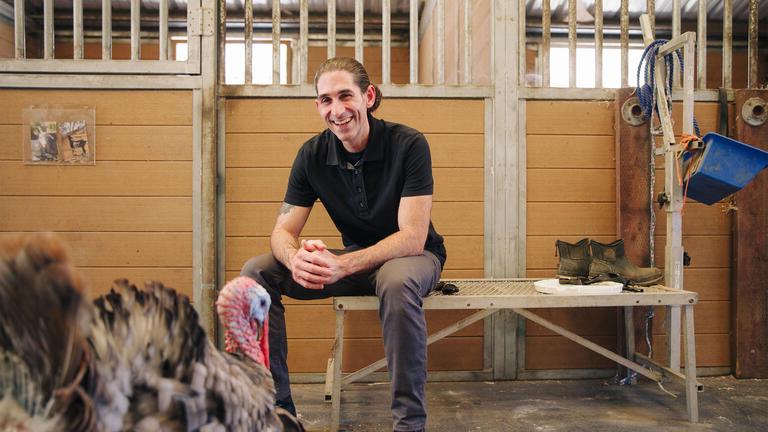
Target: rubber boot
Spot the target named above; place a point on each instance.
(611, 258)
(574, 261)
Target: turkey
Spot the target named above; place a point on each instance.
(131, 360)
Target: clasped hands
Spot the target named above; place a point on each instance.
(313, 266)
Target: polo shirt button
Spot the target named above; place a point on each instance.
(359, 189)
(361, 204)
(355, 172)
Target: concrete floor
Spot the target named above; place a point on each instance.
(726, 404)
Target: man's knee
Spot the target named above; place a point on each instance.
(254, 267)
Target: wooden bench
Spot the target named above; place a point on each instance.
(519, 295)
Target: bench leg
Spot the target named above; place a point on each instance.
(328, 379)
(691, 395)
(338, 352)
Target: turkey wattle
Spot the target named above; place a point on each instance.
(131, 360)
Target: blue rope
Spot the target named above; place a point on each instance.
(645, 92)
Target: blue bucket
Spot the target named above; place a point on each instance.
(725, 167)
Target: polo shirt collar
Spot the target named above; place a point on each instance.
(374, 151)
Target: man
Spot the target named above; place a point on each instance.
(375, 180)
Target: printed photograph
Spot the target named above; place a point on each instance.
(43, 141)
(73, 144)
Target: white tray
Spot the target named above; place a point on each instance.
(553, 286)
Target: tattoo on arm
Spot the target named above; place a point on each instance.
(286, 208)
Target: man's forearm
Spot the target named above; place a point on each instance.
(284, 246)
(399, 244)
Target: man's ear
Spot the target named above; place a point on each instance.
(370, 96)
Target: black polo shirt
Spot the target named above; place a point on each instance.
(363, 199)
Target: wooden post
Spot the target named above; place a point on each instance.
(633, 196)
(750, 257)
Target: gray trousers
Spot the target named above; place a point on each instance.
(400, 285)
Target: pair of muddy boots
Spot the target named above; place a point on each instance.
(588, 259)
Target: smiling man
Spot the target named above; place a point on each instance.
(375, 180)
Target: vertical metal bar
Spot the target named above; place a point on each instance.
(77, 29)
(414, 44)
(752, 79)
(651, 11)
(18, 28)
(221, 54)
(48, 29)
(701, 56)
(275, 42)
(440, 42)
(303, 40)
(385, 43)
(689, 339)
(248, 40)
(728, 44)
(571, 43)
(676, 33)
(521, 49)
(163, 30)
(331, 28)
(106, 29)
(338, 355)
(598, 43)
(359, 30)
(546, 34)
(135, 29)
(624, 43)
(467, 42)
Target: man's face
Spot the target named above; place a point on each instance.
(344, 108)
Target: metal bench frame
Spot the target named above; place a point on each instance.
(519, 295)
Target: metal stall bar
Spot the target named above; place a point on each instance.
(359, 30)
(163, 30)
(135, 29)
(546, 34)
(275, 42)
(303, 40)
(572, 43)
(752, 79)
(77, 29)
(18, 29)
(598, 43)
(222, 72)
(676, 33)
(414, 44)
(467, 42)
(331, 28)
(386, 37)
(701, 54)
(624, 43)
(651, 11)
(728, 44)
(106, 29)
(248, 39)
(440, 42)
(48, 29)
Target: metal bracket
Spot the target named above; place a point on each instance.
(754, 111)
(631, 112)
(200, 21)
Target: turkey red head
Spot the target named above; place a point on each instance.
(243, 308)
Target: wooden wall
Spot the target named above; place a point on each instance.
(130, 215)
(6, 39)
(263, 136)
(454, 45)
(572, 194)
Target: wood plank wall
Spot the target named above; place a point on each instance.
(6, 39)
(130, 215)
(571, 195)
(262, 138)
(399, 62)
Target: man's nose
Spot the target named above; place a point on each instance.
(337, 108)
